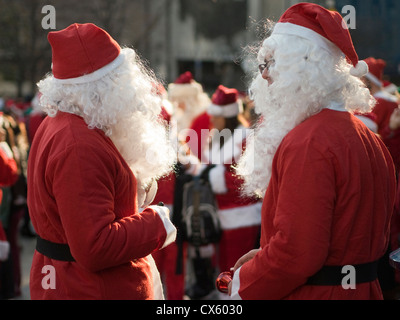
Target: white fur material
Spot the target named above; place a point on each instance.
(157, 284)
(287, 28)
(236, 285)
(226, 111)
(217, 179)
(240, 217)
(170, 229)
(360, 70)
(96, 75)
(373, 79)
(4, 250)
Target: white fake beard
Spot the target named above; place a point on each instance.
(145, 146)
(280, 111)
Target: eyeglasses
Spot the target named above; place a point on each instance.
(266, 65)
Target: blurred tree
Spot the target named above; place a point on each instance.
(22, 40)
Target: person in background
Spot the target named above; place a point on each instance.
(385, 103)
(239, 216)
(189, 101)
(327, 181)
(8, 176)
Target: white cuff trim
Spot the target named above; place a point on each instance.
(4, 250)
(96, 75)
(7, 150)
(163, 213)
(217, 179)
(240, 217)
(227, 111)
(236, 285)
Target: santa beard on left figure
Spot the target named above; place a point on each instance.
(302, 81)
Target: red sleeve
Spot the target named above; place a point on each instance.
(83, 186)
(8, 170)
(303, 190)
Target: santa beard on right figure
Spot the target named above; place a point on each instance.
(305, 80)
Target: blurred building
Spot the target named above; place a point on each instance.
(215, 39)
(210, 37)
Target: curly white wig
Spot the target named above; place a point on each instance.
(126, 107)
(306, 79)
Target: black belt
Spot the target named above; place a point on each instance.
(333, 276)
(52, 250)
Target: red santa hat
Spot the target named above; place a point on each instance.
(325, 28)
(184, 86)
(225, 103)
(376, 68)
(83, 53)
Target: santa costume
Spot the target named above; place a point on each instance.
(386, 103)
(327, 181)
(189, 101)
(8, 176)
(90, 172)
(240, 217)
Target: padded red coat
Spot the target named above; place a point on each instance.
(82, 192)
(329, 202)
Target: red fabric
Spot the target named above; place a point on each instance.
(224, 96)
(233, 197)
(376, 67)
(184, 78)
(3, 236)
(81, 49)
(82, 192)
(200, 129)
(34, 122)
(383, 111)
(326, 23)
(329, 202)
(8, 171)
(234, 244)
(166, 188)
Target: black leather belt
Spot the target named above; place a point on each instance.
(52, 250)
(333, 275)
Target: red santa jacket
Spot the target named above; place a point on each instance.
(82, 193)
(234, 210)
(329, 203)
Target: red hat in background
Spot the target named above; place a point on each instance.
(184, 86)
(184, 78)
(321, 26)
(225, 103)
(83, 53)
(376, 68)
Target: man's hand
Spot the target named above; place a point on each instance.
(247, 257)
